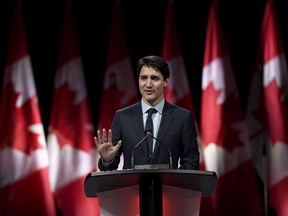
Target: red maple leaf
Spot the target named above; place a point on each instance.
(69, 120)
(15, 122)
(276, 104)
(217, 121)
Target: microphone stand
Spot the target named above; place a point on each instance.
(139, 143)
(170, 155)
(142, 140)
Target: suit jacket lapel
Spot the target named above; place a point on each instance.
(166, 122)
(137, 121)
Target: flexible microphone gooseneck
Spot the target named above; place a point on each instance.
(148, 133)
(170, 155)
(136, 146)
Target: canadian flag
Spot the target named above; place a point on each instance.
(177, 90)
(24, 181)
(119, 85)
(72, 151)
(224, 131)
(267, 113)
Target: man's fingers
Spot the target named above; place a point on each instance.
(99, 137)
(96, 141)
(118, 145)
(104, 135)
(110, 136)
(104, 144)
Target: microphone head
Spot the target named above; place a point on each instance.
(148, 131)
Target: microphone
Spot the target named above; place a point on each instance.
(170, 155)
(148, 133)
(136, 146)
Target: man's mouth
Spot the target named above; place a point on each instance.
(148, 92)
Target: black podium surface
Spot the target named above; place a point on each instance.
(204, 181)
(150, 183)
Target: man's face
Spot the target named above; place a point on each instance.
(151, 85)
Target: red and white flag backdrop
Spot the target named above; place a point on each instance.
(267, 114)
(224, 130)
(178, 90)
(72, 151)
(119, 84)
(24, 180)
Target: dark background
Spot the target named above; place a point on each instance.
(144, 25)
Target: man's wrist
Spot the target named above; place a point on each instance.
(107, 163)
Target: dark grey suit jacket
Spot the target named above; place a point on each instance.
(177, 131)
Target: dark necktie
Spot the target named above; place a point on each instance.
(149, 128)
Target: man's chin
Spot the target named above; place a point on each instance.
(150, 100)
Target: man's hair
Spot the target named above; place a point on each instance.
(155, 62)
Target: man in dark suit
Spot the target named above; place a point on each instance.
(172, 126)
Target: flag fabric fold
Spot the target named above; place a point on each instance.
(119, 87)
(24, 163)
(177, 90)
(224, 130)
(267, 114)
(72, 152)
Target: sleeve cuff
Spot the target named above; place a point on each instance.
(106, 163)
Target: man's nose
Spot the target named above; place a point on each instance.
(149, 82)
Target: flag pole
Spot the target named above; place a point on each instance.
(264, 145)
(265, 181)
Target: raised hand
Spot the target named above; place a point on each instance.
(104, 145)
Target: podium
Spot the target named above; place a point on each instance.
(150, 192)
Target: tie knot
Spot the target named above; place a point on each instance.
(151, 111)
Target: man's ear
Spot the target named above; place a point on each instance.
(166, 82)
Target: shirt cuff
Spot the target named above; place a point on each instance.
(107, 163)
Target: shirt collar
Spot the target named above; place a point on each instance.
(158, 107)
